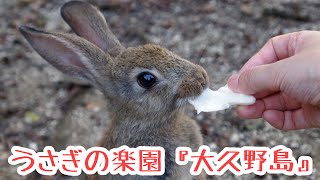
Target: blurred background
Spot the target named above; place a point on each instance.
(39, 106)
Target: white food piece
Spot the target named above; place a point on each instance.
(221, 99)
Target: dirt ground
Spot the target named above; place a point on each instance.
(39, 106)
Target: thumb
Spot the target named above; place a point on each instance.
(263, 78)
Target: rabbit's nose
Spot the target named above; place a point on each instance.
(203, 78)
(194, 83)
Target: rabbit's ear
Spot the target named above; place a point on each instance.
(88, 22)
(70, 54)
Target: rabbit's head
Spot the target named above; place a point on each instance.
(144, 79)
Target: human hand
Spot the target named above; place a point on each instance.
(284, 76)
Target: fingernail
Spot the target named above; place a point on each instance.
(233, 82)
(244, 111)
(242, 108)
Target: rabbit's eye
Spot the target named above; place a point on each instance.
(146, 80)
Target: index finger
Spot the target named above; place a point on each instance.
(276, 49)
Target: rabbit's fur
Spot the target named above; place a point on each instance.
(140, 117)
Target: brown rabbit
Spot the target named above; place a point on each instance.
(146, 86)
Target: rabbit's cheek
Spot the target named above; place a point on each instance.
(149, 104)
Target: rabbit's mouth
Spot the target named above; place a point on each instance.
(190, 94)
(191, 90)
(197, 95)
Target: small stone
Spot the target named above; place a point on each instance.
(306, 149)
(234, 138)
(33, 146)
(31, 117)
(246, 9)
(93, 107)
(168, 23)
(213, 146)
(294, 144)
